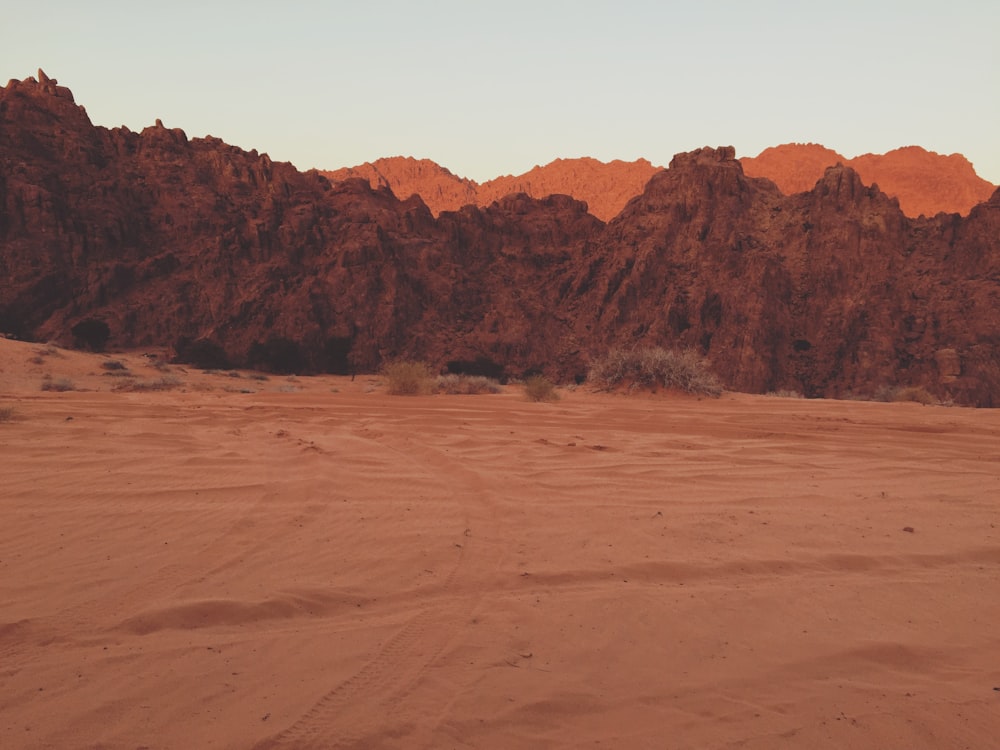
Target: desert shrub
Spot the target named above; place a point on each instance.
(655, 367)
(113, 364)
(6, 413)
(59, 385)
(914, 393)
(165, 383)
(407, 378)
(540, 388)
(785, 393)
(91, 333)
(465, 384)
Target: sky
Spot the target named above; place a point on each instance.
(493, 88)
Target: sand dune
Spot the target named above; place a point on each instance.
(221, 561)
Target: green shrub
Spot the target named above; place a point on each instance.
(540, 388)
(653, 368)
(407, 378)
(466, 384)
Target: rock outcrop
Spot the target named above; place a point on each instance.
(925, 183)
(604, 187)
(154, 238)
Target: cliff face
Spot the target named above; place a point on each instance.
(925, 183)
(213, 250)
(827, 292)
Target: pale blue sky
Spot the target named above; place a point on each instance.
(495, 88)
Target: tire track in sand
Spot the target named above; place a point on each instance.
(356, 709)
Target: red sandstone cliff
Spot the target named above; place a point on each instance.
(925, 183)
(604, 187)
(226, 255)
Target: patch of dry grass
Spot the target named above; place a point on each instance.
(166, 383)
(466, 384)
(653, 368)
(540, 388)
(408, 378)
(59, 385)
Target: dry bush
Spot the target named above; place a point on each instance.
(466, 384)
(785, 393)
(914, 393)
(407, 378)
(60, 385)
(166, 383)
(113, 365)
(653, 368)
(6, 414)
(540, 388)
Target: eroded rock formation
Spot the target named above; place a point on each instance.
(225, 255)
(925, 183)
(604, 187)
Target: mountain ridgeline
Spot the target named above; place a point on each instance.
(121, 239)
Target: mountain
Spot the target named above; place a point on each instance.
(604, 187)
(925, 183)
(134, 239)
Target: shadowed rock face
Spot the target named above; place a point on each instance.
(193, 243)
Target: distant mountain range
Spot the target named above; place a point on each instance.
(925, 183)
(114, 238)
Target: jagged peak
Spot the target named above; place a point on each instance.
(704, 155)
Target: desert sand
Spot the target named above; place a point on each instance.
(313, 563)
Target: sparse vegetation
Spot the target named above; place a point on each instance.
(914, 393)
(785, 393)
(59, 385)
(653, 368)
(408, 378)
(540, 388)
(113, 364)
(166, 383)
(466, 384)
(6, 414)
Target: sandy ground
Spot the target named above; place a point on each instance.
(313, 563)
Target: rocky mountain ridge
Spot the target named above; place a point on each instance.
(925, 183)
(127, 239)
(604, 187)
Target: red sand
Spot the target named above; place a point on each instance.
(320, 564)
